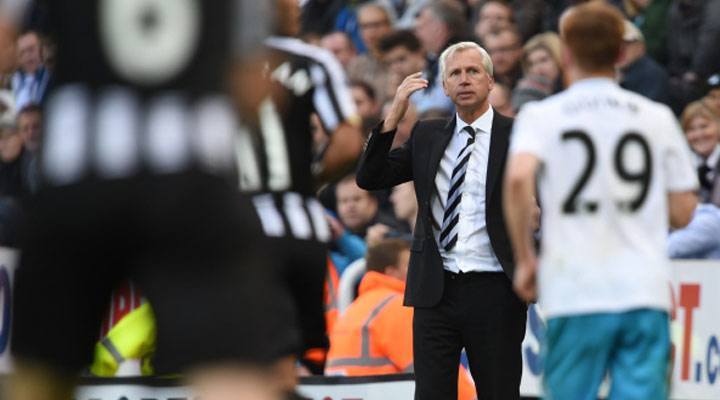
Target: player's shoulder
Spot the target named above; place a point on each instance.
(658, 119)
(547, 110)
(645, 106)
(550, 106)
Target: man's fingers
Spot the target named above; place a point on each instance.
(416, 85)
(413, 87)
(412, 77)
(415, 80)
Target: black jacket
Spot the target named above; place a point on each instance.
(418, 160)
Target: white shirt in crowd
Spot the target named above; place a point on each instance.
(604, 237)
(711, 162)
(473, 252)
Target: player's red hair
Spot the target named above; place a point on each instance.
(593, 33)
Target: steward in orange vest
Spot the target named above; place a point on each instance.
(374, 335)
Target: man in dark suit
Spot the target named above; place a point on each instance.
(461, 262)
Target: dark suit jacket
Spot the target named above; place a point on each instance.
(418, 160)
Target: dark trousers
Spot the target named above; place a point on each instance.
(480, 312)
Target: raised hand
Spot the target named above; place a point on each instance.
(411, 84)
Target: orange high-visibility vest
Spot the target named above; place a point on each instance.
(374, 335)
(331, 301)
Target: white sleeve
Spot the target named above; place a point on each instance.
(332, 99)
(677, 158)
(528, 136)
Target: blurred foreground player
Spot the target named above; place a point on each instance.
(139, 183)
(613, 166)
(283, 172)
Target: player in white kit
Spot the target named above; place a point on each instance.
(611, 166)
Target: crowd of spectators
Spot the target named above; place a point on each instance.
(671, 56)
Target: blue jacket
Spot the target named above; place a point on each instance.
(701, 238)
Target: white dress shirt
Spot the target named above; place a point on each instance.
(473, 252)
(711, 161)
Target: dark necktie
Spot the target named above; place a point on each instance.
(449, 229)
(703, 171)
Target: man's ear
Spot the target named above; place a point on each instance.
(391, 270)
(445, 88)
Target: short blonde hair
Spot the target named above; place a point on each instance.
(697, 109)
(462, 46)
(548, 41)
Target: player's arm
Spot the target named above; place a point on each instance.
(334, 105)
(681, 206)
(342, 152)
(681, 178)
(519, 207)
(381, 168)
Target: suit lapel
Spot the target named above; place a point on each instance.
(499, 140)
(438, 143)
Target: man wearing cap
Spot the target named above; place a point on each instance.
(638, 72)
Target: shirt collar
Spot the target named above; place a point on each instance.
(482, 124)
(593, 83)
(714, 157)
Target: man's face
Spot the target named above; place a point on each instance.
(541, 63)
(703, 135)
(500, 100)
(10, 144)
(631, 52)
(493, 16)
(29, 57)
(431, 31)
(403, 201)
(340, 46)
(366, 107)
(505, 51)
(374, 24)
(466, 82)
(403, 62)
(356, 207)
(29, 128)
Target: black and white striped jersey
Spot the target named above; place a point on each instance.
(141, 85)
(275, 157)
